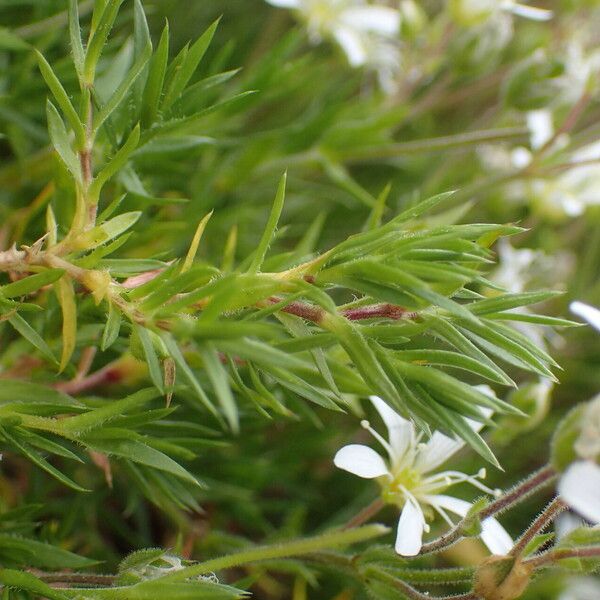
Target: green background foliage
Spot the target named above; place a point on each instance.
(305, 251)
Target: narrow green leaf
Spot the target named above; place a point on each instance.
(41, 462)
(422, 207)
(449, 359)
(42, 555)
(106, 231)
(60, 141)
(66, 298)
(451, 335)
(32, 336)
(376, 213)
(98, 37)
(79, 424)
(267, 236)
(510, 301)
(364, 359)
(9, 40)
(533, 318)
(219, 379)
(35, 397)
(31, 284)
(189, 259)
(188, 374)
(111, 329)
(115, 164)
(75, 38)
(22, 580)
(188, 67)
(156, 77)
(59, 93)
(121, 92)
(151, 357)
(118, 442)
(48, 445)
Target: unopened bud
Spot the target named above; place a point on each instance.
(502, 578)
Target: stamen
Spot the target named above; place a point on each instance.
(454, 477)
(366, 425)
(441, 512)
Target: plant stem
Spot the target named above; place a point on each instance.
(77, 578)
(552, 556)
(570, 121)
(434, 144)
(517, 494)
(554, 508)
(300, 547)
(365, 514)
(410, 592)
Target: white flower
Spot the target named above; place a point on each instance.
(409, 480)
(579, 487)
(367, 33)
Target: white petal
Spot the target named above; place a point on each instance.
(579, 487)
(360, 460)
(567, 522)
(401, 433)
(286, 3)
(409, 538)
(455, 505)
(587, 312)
(531, 12)
(495, 537)
(352, 44)
(539, 123)
(436, 451)
(440, 447)
(376, 19)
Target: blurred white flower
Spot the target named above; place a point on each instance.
(581, 588)
(367, 33)
(587, 312)
(579, 485)
(409, 479)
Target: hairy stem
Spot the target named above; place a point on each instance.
(301, 547)
(550, 557)
(84, 579)
(553, 509)
(408, 591)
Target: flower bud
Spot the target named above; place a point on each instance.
(502, 578)
(98, 283)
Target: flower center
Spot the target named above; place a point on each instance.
(394, 490)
